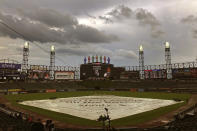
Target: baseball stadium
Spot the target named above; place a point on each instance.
(97, 93)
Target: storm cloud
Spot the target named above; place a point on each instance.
(194, 33)
(50, 17)
(95, 50)
(121, 12)
(126, 53)
(107, 20)
(191, 20)
(144, 18)
(51, 26)
(88, 34)
(79, 28)
(84, 51)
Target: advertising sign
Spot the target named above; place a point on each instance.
(38, 67)
(38, 75)
(10, 66)
(64, 75)
(46, 76)
(35, 76)
(14, 90)
(51, 90)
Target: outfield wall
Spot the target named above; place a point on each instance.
(139, 86)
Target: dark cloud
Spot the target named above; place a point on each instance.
(91, 16)
(49, 17)
(107, 20)
(89, 34)
(157, 33)
(131, 29)
(70, 51)
(192, 21)
(121, 12)
(144, 18)
(32, 31)
(79, 7)
(194, 33)
(75, 7)
(117, 14)
(126, 53)
(36, 28)
(189, 19)
(84, 51)
(94, 50)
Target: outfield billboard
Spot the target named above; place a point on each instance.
(38, 75)
(14, 90)
(38, 67)
(10, 66)
(64, 75)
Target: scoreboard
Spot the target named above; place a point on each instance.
(95, 70)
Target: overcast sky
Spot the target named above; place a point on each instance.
(114, 28)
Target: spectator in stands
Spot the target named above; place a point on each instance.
(37, 126)
(20, 116)
(51, 127)
(48, 122)
(30, 119)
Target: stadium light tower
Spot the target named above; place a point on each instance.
(168, 60)
(141, 62)
(52, 62)
(25, 57)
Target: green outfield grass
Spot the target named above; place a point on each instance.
(126, 121)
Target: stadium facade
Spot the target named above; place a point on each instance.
(96, 68)
(10, 69)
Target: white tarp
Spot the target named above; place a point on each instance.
(91, 107)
